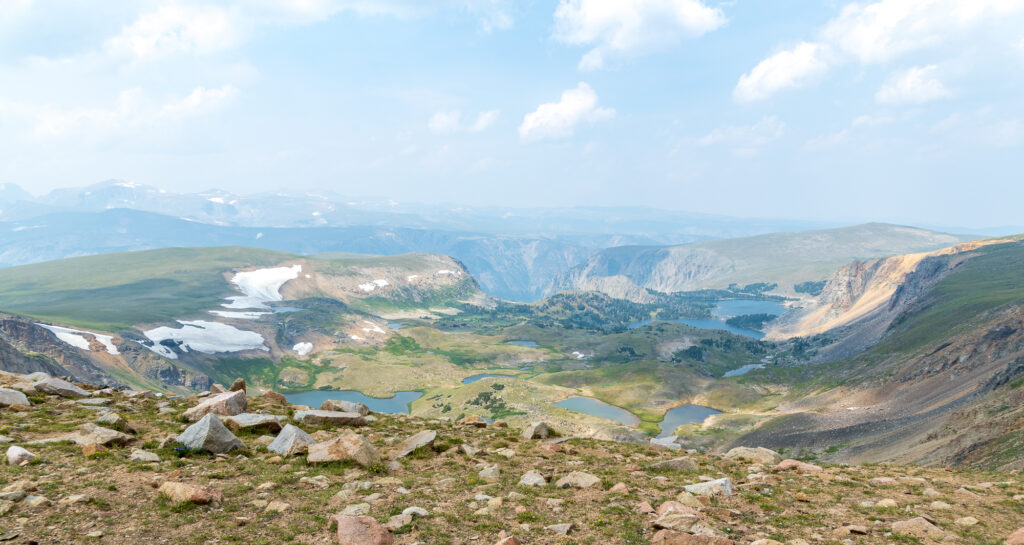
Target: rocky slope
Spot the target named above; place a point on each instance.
(783, 259)
(942, 381)
(88, 465)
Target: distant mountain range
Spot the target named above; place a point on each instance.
(778, 260)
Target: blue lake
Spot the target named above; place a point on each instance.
(682, 415)
(594, 407)
(726, 309)
(523, 343)
(474, 378)
(396, 327)
(743, 370)
(399, 404)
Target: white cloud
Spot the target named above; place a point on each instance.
(131, 110)
(177, 28)
(783, 70)
(624, 27)
(746, 137)
(878, 32)
(451, 122)
(916, 85)
(559, 119)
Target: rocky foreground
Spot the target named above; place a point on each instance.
(88, 465)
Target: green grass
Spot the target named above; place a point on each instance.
(115, 291)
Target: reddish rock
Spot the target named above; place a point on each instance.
(672, 537)
(676, 506)
(275, 397)
(643, 508)
(182, 492)
(225, 404)
(347, 447)
(803, 467)
(1016, 538)
(92, 449)
(360, 531)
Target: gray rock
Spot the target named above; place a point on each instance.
(422, 439)
(58, 387)
(91, 434)
(209, 434)
(115, 421)
(350, 446)
(759, 455)
(536, 430)
(684, 463)
(332, 418)
(533, 478)
(490, 474)
(225, 404)
(578, 479)
(17, 456)
(10, 397)
(247, 421)
(291, 441)
(344, 407)
(711, 488)
(139, 455)
(563, 529)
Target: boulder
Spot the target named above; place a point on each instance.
(360, 530)
(58, 387)
(10, 397)
(17, 456)
(238, 385)
(91, 434)
(802, 467)
(683, 463)
(184, 492)
(533, 478)
(490, 474)
(350, 446)
(224, 404)
(115, 421)
(331, 418)
(424, 438)
(209, 434)
(536, 430)
(759, 455)
(578, 479)
(473, 421)
(343, 406)
(563, 528)
(139, 455)
(252, 421)
(274, 397)
(918, 527)
(291, 441)
(711, 488)
(1016, 538)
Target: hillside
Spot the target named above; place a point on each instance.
(780, 259)
(148, 473)
(942, 382)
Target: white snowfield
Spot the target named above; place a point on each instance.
(76, 338)
(261, 286)
(303, 349)
(411, 277)
(449, 272)
(370, 286)
(205, 337)
(372, 327)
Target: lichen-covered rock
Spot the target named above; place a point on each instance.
(342, 406)
(224, 404)
(291, 441)
(58, 387)
(184, 492)
(252, 421)
(350, 446)
(758, 455)
(711, 488)
(209, 434)
(422, 439)
(360, 530)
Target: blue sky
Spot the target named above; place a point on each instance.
(895, 110)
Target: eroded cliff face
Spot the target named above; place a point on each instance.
(26, 347)
(861, 300)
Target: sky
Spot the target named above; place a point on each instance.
(909, 111)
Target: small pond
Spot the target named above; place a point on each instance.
(474, 378)
(398, 404)
(727, 309)
(684, 414)
(594, 407)
(523, 343)
(396, 327)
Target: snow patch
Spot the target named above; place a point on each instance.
(373, 327)
(303, 349)
(261, 286)
(370, 286)
(450, 272)
(355, 337)
(411, 277)
(217, 200)
(207, 337)
(76, 338)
